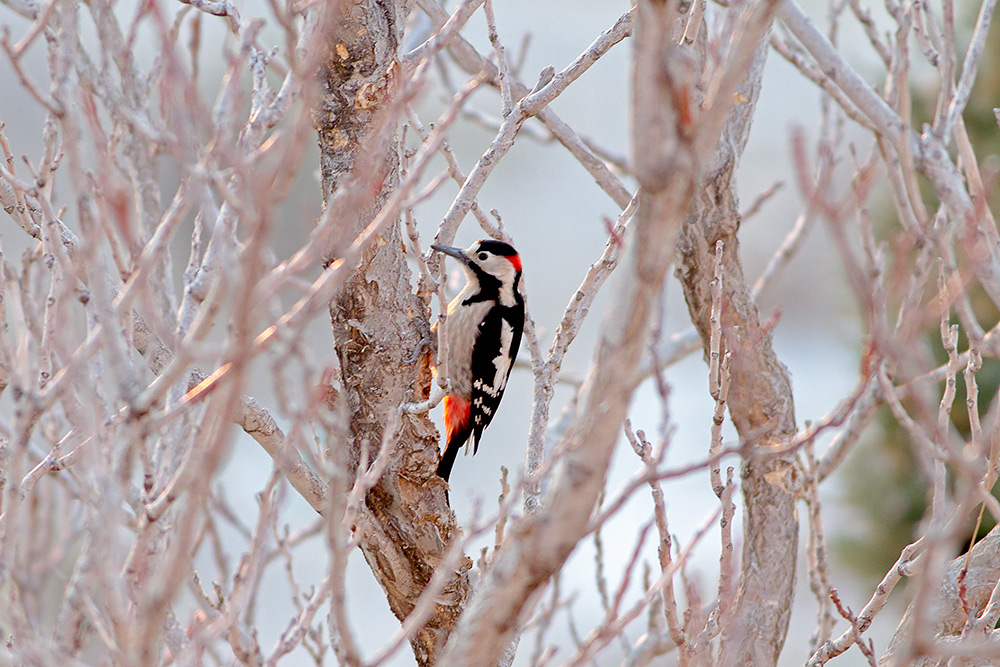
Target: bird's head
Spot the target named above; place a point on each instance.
(491, 258)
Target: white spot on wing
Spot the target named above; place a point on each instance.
(503, 361)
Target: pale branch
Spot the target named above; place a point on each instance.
(970, 66)
(721, 613)
(503, 75)
(26, 8)
(437, 395)
(547, 368)
(719, 116)
(472, 62)
(529, 105)
(867, 648)
(902, 567)
(871, 30)
(292, 635)
(863, 412)
(816, 554)
(222, 8)
(444, 35)
(651, 461)
(457, 175)
(846, 78)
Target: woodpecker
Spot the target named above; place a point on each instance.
(481, 334)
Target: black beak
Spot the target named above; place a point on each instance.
(457, 253)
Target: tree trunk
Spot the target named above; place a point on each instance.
(380, 327)
(964, 591)
(760, 397)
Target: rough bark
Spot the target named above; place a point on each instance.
(381, 328)
(760, 397)
(966, 589)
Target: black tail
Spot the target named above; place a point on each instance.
(447, 461)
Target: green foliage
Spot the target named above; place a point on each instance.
(884, 489)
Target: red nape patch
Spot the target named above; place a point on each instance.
(516, 261)
(456, 414)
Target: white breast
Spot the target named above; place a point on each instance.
(460, 331)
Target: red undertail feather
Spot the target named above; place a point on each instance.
(457, 429)
(456, 415)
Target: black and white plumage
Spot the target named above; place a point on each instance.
(481, 335)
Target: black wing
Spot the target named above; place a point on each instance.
(500, 329)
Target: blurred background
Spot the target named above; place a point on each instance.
(558, 219)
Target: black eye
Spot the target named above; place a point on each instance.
(483, 256)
